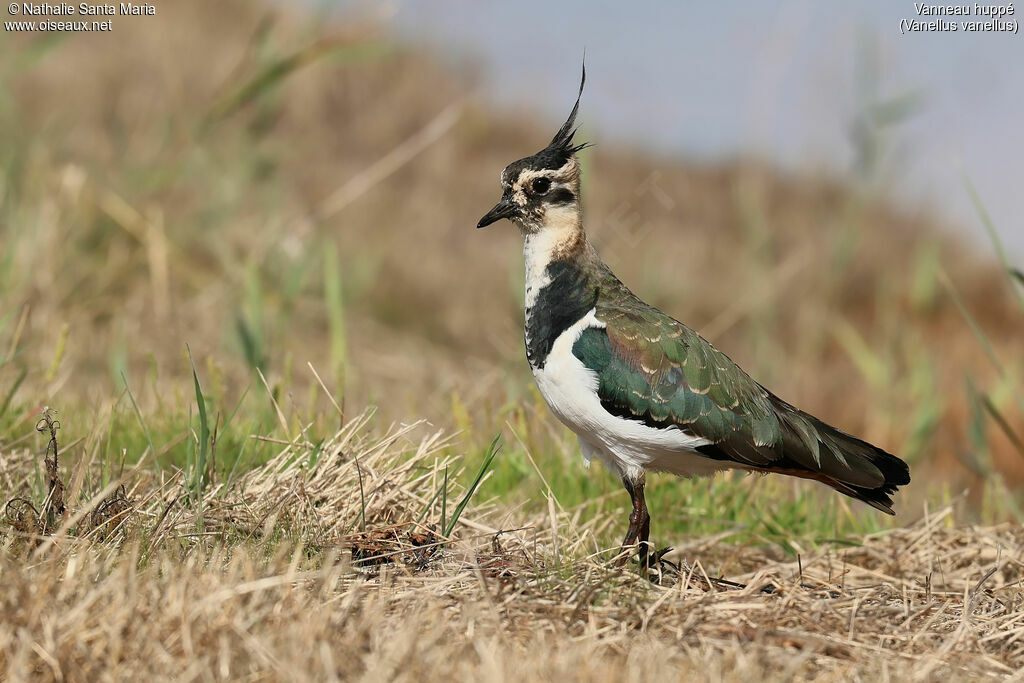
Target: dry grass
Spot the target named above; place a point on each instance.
(263, 581)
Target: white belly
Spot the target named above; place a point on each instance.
(627, 447)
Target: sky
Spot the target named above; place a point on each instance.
(781, 80)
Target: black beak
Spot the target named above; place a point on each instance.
(503, 209)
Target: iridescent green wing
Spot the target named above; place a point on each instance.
(654, 369)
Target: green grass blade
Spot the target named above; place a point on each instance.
(273, 73)
(444, 500)
(993, 234)
(250, 344)
(430, 504)
(204, 440)
(485, 466)
(335, 313)
(231, 415)
(314, 455)
(1003, 424)
(240, 461)
(138, 416)
(979, 334)
(10, 394)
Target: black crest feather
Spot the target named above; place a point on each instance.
(561, 147)
(563, 138)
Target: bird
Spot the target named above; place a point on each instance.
(642, 391)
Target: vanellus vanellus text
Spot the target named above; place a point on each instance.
(641, 390)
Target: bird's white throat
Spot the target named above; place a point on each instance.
(560, 232)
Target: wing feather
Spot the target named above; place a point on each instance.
(654, 369)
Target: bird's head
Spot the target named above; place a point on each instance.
(543, 189)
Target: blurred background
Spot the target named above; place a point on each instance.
(280, 185)
(796, 83)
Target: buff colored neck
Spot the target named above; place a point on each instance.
(561, 237)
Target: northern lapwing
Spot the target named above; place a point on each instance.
(642, 391)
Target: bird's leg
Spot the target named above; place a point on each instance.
(639, 521)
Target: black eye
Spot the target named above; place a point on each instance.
(541, 185)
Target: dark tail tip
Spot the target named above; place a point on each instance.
(896, 473)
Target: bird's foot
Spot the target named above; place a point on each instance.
(660, 571)
(667, 572)
(641, 555)
(622, 558)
